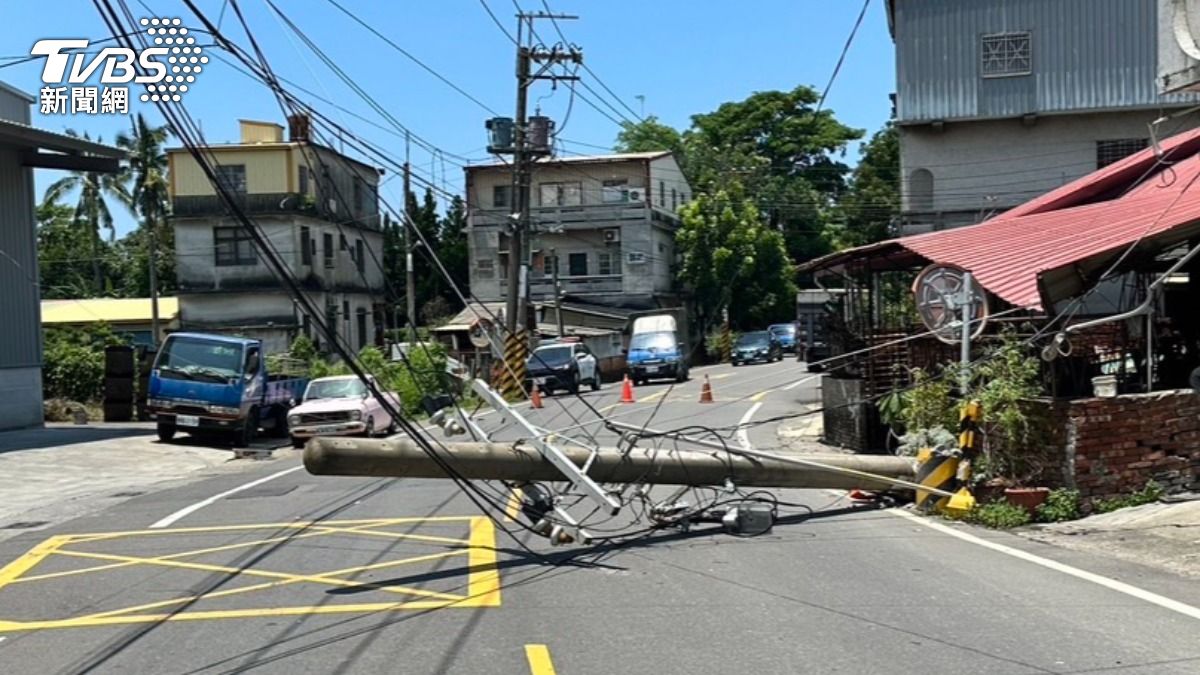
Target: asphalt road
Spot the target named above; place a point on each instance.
(295, 573)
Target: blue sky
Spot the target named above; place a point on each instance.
(683, 56)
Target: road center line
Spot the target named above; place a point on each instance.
(1111, 584)
(539, 660)
(743, 436)
(799, 382)
(188, 510)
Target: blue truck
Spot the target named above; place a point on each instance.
(218, 386)
(659, 345)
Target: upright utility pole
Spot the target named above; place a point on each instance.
(155, 335)
(517, 299)
(558, 317)
(410, 284)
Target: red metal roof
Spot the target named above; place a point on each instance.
(1052, 247)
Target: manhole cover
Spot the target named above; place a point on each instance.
(25, 525)
(263, 492)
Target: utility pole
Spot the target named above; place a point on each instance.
(155, 336)
(558, 317)
(410, 284)
(517, 300)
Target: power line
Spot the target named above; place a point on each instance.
(842, 57)
(587, 68)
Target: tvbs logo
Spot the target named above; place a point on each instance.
(167, 70)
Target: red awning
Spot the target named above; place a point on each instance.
(1053, 247)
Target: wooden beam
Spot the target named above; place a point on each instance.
(49, 160)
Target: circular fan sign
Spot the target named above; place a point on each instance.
(479, 332)
(938, 292)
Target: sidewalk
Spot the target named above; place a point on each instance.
(1164, 535)
(62, 472)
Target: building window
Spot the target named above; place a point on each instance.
(1007, 55)
(614, 191)
(305, 251)
(358, 194)
(346, 310)
(551, 265)
(636, 257)
(605, 264)
(502, 261)
(501, 196)
(662, 193)
(560, 194)
(485, 269)
(674, 200)
(328, 241)
(362, 327)
(232, 177)
(304, 180)
(577, 265)
(920, 190)
(1108, 152)
(233, 246)
(307, 326)
(359, 255)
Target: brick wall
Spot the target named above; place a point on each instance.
(1113, 446)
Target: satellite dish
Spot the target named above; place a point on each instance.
(937, 291)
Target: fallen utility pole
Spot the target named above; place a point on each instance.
(401, 458)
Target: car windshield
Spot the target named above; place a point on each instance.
(783, 329)
(753, 340)
(348, 387)
(199, 359)
(550, 357)
(655, 341)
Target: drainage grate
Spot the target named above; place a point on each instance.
(263, 492)
(131, 493)
(24, 525)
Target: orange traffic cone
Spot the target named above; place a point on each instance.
(535, 397)
(862, 496)
(706, 391)
(627, 391)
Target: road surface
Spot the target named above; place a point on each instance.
(277, 571)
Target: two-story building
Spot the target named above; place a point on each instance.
(609, 220)
(319, 210)
(998, 101)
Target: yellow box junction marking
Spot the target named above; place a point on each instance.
(479, 549)
(539, 660)
(512, 509)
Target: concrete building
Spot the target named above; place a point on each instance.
(22, 149)
(319, 210)
(610, 221)
(998, 101)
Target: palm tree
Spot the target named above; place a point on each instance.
(92, 208)
(150, 196)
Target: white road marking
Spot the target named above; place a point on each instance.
(799, 382)
(743, 436)
(188, 510)
(1111, 584)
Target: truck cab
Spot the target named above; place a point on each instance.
(658, 347)
(215, 385)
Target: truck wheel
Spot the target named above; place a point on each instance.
(279, 430)
(595, 383)
(369, 432)
(166, 432)
(244, 435)
(573, 387)
(298, 443)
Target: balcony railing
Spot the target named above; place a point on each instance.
(569, 217)
(274, 203)
(589, 284)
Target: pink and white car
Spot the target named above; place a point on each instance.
(339, 406)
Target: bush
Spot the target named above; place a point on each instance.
(928, 404)
(998, 515)
(1061, 504)
(1148, 494)
(423, 374)
(73, 362)
(714, 343)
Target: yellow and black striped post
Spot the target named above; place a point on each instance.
(968, 439)
(949, 472)
(512, 373)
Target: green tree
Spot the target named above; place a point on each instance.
(63, 270)
(864, 214)
(150, 199)
(91, 209)
(648, 135)
(732, 260)
(452, 249)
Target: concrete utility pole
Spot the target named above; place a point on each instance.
(400, 457)
(155, 335)
(558, 317)
(410, 284)
(517, 298)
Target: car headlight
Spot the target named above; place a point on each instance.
(356, 415)
(293, 420)
(159, 403)
(223, 410)
(763, 350)
(565, 366)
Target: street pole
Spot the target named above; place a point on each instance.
(966, 302)
(410, 284)
(557, 293)
(155, 335)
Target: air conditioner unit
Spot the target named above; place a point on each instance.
(635, 194)
(612, 236)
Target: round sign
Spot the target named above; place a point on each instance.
(938, 292)
(480, 332)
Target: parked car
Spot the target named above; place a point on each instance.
(786, 334)
(340, 406)
(565, 365)
(757, 346)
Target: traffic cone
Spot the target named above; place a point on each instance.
(627, 391)
(706, 391)
(535, 397)
(863, 496)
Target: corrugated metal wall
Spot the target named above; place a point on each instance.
(1087, 55)
(20, 335)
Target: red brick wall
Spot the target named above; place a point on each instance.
(1113, 446)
